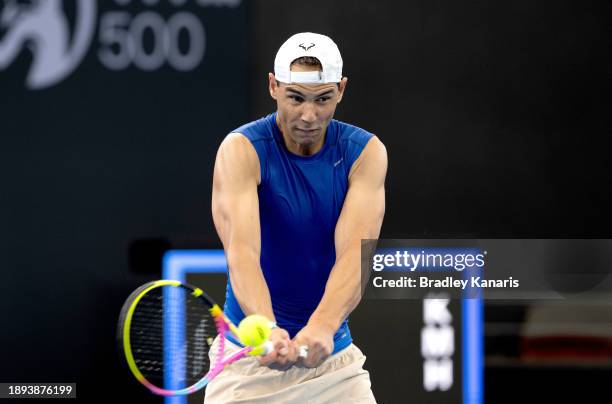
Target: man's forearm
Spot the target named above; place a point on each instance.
(342, 291)
(249, 284)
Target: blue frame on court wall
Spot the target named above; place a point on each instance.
(178, 263)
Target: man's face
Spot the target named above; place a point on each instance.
(305, 110)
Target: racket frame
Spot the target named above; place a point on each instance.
(222, 323)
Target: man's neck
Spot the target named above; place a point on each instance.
(298, 149)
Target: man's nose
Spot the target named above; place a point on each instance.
(309, 113)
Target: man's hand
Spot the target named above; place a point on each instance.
(319, 338)
(285, 353)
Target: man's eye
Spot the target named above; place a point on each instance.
(296, 98)
(323, 99)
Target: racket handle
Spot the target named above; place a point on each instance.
(269, 347)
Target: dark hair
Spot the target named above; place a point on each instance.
(307, 61)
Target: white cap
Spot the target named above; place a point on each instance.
(308, 44)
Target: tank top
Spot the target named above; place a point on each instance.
(300, 199)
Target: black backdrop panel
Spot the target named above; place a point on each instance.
(494, 114)
(120, 146)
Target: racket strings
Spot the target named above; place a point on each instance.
(170, 335)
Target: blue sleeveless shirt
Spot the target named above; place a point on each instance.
(300, 199)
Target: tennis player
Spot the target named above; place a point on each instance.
(294, 194)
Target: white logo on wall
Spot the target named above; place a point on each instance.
(437, 344)
(42, 26)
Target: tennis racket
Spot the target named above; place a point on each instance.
(166, 330)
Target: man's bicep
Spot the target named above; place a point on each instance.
(364, 205)
(235, 204)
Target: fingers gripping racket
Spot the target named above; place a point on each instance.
(166, 330)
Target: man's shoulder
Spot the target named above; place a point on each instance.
(259, 129)
(348, 133)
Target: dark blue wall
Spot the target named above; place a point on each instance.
(494, 114)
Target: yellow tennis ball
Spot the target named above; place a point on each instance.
(254, 330)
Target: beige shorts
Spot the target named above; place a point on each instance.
(339, 379)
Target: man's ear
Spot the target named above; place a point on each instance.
(272, 85)
(342, 87)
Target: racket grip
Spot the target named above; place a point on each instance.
(268, 347)
(303, 351)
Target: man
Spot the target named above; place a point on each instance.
(294, 194)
